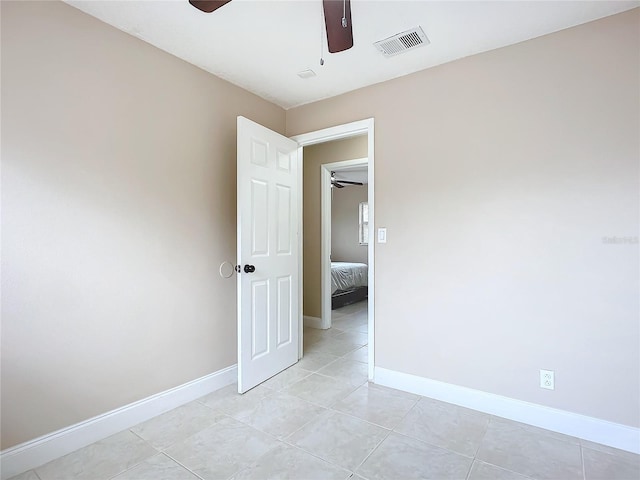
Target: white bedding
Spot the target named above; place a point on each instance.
(345, 275)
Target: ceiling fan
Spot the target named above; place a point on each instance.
(337, 19)
(342, 183)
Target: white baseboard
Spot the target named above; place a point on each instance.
(581, 426)
(32, 454)
(313, 322)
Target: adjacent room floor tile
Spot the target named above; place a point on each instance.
(360, 328)
(321, 390)
(484, 471)
(508, 445)
(604, 466)
(159, 467)
(400, 457)
(354, 337)
(313, 334)
(350, 322)
(229, 401)
(445, 425)
(339, 439)
(176, 425)
(379, 405)
(286, 462)
(349, 371)
(281, 414)
(102, 459)
(221, 450)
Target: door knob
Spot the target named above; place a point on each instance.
(249, 269)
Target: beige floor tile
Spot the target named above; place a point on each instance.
(359, 355)
(320, 390)
(332, 346)
(349, 371)
(610, 450)
(29, 475)
(485, 471)
(317, 333)
(221, 450)
(360, 328)
(314, 361)
(508, 445)
(400, 457)
(604, 466)
(379, 405)
(159, 467)
(445, 425)
(361, 307)
(287, 377)
(340, 439)
(101, 460)
(350, 322)
(280, 414)
(176, 425)
(286, 462)
(541, 431)
(229, 401)
(354, 337)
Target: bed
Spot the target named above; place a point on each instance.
(349, 283)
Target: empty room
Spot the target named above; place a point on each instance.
(320, 239)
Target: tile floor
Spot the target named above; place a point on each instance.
(321, 420)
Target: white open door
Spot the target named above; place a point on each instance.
(267, 204)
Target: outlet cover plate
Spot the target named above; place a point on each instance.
(547, 379)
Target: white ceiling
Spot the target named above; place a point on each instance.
(261, 45)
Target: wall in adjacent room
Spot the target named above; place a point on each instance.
(345, 224)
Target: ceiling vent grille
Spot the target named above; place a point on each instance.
(402, 42)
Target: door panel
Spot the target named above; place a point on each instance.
(267, 206)
(284, 311)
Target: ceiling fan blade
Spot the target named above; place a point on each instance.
(208, 6)
(339, 33)
(350, 183)
(337, 185)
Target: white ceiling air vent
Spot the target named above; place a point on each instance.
(402, 42)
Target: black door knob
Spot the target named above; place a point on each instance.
(249, 269)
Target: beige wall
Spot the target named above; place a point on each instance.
(314, 156)
(497, 177)
(345, 224)
(118, 187)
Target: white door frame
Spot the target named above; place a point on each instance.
(325, 235)
(361, 127)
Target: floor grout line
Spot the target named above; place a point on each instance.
(182, 465)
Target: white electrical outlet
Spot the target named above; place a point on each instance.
(547, 379)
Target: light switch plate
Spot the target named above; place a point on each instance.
(382, 235)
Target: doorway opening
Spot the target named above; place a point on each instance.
(344, 330)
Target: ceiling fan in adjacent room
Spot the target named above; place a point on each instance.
(342, 183)
(337, 19)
